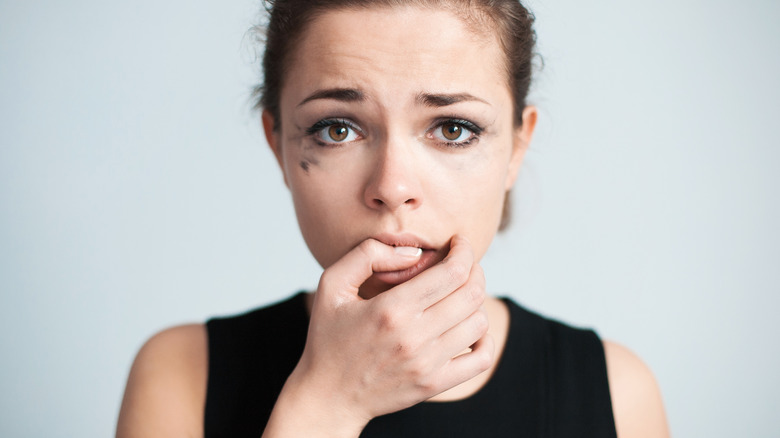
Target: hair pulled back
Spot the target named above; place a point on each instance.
(288, 20)
(509, 19)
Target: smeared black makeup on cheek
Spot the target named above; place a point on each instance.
(307, 150)
(307, 162)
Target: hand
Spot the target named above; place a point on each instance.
(365, 358)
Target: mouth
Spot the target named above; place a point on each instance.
(429, 257)
(405, 239)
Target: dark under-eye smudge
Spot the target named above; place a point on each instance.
(307, 162)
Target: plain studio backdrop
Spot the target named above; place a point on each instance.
(137, 192)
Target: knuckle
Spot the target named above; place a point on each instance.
(478, 275)
(327, 280)
(430, 292)
(367, 248)
(465, 249)
(390, 319)
(423, 378)
(476, 294)
(417, 370)
(387, 320)
(483, 360)
(427, 386)
(481, 323)
(457, 272)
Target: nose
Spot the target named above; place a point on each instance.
(395, 182)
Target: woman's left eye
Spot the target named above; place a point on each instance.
(455, 132)
(334, 132)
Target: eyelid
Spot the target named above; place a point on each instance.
(313, 130)
(467, 125)
(324, 123)
(472, 127)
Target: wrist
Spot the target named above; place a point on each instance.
(306, 410)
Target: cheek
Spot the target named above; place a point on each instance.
(325, 199)
(478, 177)
(476, 204)
(318, 195)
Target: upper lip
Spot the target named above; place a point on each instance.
(403, 239)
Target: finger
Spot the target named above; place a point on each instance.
(442, 279)
(464, 367)
(459, 305)
(463, 335)
(352, 270)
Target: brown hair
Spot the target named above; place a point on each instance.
(288, 19)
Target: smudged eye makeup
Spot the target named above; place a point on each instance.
(449, 132)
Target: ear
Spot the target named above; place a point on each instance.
(272, 137)
(520, 143)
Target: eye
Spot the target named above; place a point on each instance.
(333, 132)
(455, 132)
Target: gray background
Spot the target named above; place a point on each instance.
(136, 192)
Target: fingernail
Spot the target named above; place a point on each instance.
(408, 251)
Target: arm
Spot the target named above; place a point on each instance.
(636, 398)
(363, 358)
(166, 389)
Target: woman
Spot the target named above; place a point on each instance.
(399, 128)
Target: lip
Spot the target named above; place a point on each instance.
(429, 257)
(404, 239)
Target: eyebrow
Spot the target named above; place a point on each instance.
(439, 100)
(340, 94)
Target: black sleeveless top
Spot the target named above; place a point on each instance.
(551, 381)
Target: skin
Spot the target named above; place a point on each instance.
(390, 326)
(396, 177)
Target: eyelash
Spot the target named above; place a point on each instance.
(475, 130)
(326, 123)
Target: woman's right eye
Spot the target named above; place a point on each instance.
(334, 132)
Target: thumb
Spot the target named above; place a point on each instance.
(352, 270)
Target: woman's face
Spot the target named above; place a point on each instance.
(396, 124)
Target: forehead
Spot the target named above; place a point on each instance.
(397, 51)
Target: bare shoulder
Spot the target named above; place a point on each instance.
(166, 389)
(636, 398)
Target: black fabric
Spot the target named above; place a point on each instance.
(551, 381)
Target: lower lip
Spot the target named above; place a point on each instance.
(427, 259)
